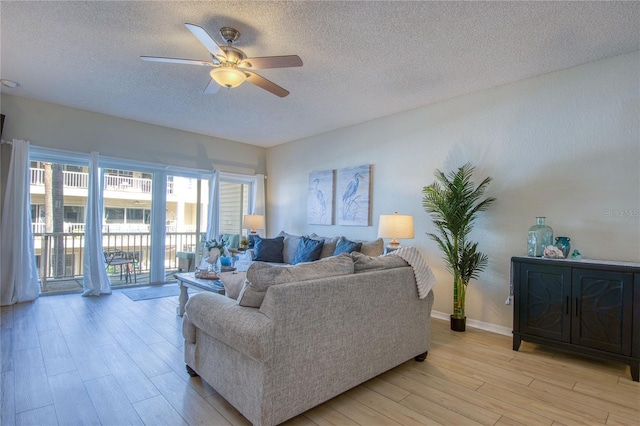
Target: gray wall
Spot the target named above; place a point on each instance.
(55, 126)
(564, 145)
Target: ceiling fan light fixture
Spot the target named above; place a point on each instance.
(228, 77)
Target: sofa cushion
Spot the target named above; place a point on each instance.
(268, 249)
(329, 245)
(260, 276)
(290, 246)
(346, 246)
(308, 250)
(233, 283)
(372, 248)
(362, 262)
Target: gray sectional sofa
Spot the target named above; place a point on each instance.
(307, 333)
(289, 247)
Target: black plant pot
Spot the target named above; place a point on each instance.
(458, 324)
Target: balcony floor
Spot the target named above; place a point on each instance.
(74, 285)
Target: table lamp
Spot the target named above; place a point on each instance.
(395, 226)
(252, 222)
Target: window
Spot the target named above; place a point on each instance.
(74, 214)
(116, 172)
(76, 169)
(138, 216)
(234, 204)
(113, 215)
(37, 213)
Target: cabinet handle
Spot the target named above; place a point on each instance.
(566, 306)
(576, 309)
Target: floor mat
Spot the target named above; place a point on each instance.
(153, 292)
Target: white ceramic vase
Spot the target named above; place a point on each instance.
(214, 259)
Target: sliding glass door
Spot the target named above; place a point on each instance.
(154, 218)
(187, 214)
(126, 224)
(58, 192)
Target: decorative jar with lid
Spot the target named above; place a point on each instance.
(563, 244)
(540, 236)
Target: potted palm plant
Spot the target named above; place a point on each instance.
(454, 202)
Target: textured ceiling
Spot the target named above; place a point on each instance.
(362, 60)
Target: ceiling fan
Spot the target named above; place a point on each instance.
(230, 66)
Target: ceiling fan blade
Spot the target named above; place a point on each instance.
(205, 39)
(272, 62)
(211, 88)
(265, 84)
(176, 61)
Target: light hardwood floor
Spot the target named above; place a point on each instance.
(71, 360)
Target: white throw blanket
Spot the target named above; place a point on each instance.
(425, 280)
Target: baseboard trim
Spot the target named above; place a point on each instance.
(498, 329)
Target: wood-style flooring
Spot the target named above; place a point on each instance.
(70, 360)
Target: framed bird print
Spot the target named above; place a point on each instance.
(352, 195)
(320, 198)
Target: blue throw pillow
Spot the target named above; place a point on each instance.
(346, 246)
(268, 249)
(308, 250)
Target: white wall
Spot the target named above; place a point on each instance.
(564, 145)
(55, 126)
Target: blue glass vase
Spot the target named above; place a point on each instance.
(540, 236)
(563, 244)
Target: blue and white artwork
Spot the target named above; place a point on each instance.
(352, 195)
(320, 198)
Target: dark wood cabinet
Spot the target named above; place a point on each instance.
(590, 307)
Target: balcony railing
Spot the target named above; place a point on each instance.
(80, 180)
(79, 228)
(60, 256)
(127, 184)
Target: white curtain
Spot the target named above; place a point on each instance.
(257, 196)
(158, 226)
(95, 280)
(19, 278)
(213, 222)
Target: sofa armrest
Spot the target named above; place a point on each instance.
(244, 329)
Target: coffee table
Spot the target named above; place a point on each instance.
(189, 280)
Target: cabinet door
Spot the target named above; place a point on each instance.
(602, 310)
(544, 296)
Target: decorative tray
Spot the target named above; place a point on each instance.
(207, 275)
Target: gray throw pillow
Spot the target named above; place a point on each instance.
(329, 245)
(260, 276)
(362, 262)
(268, 249)
(346, 246)
(308, 250)
(373, 248)
(290, 246)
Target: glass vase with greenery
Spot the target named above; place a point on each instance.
(454, 202)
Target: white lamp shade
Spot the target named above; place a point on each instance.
(253, 221)
(227, 76)
(395, 226)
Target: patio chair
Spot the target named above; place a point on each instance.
(126, 262)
